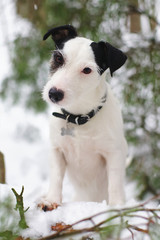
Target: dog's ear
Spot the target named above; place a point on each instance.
(61, 34)
(107, 56)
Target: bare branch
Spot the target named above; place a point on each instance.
(113, 214)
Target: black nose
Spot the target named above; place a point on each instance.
(56, 95)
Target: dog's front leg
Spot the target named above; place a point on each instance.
(57, 170)
(116, 177)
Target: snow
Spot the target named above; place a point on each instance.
(24, 141)
(40, 222)
(68, 214)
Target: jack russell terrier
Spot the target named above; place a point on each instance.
(86, 128)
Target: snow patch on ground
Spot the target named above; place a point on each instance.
(40, 222)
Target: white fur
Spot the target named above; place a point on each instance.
(95, 157)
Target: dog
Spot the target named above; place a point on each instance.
(86, 128)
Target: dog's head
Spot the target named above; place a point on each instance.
(77, 65)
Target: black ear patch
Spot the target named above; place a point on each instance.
(107, 56)
(61, 34)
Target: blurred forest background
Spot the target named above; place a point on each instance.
(133, 26)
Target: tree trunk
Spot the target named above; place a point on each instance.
(135, 23)
(2, 168)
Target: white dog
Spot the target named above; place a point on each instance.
(86, 127)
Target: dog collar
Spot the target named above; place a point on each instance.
(79, 119)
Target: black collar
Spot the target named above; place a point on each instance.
(79, 119)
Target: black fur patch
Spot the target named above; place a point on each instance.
(107, 56)
(56, 61)
(61, 34)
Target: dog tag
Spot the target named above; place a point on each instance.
(67, 131)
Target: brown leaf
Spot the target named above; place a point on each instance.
(61, 226)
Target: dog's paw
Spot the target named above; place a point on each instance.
(48, 207)
(47, 204)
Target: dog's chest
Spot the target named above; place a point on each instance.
(77, 142)
(80, 154)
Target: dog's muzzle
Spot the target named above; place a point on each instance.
(55, 95)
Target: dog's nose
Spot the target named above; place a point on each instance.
(56, 95)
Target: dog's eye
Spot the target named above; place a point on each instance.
(58, 58)
(87, 70)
